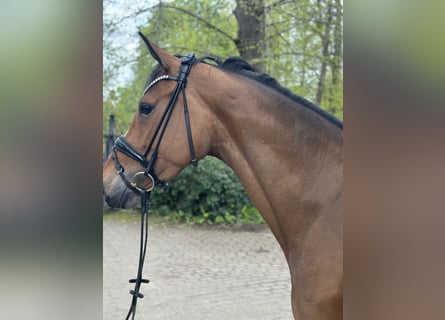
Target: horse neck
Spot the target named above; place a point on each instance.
(256, 124)
(274, 145)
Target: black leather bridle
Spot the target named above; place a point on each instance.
(148, 177)
(144, 181)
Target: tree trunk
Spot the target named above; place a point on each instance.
(337, 54)
(251, 31)
(325, 40)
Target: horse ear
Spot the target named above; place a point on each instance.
(163, 58)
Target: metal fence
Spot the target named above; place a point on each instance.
(109, 138)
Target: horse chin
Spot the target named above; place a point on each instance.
(130, 200)
(121, 197)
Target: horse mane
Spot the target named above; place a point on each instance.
(239, 66)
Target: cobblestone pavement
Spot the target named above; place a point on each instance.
(196, 273)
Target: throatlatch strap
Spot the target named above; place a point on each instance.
(145, 203)
(189, 130)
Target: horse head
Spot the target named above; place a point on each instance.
(170, 129)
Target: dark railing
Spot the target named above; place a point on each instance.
(109, 138)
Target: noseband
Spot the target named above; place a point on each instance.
(145, 181)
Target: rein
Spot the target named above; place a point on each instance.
(143, 182)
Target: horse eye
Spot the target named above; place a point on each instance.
(146, 109)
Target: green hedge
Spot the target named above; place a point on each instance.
(210, 193)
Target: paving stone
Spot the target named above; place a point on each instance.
(196, 273)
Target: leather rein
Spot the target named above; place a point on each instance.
(143, 182)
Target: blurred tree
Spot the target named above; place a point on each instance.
(297, 42)
(251, 31)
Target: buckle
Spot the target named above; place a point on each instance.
(188, 57)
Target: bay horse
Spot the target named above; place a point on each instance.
(286, 151)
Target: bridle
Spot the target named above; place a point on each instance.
(140, 179)
(143, 182)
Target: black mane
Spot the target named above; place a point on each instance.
(241, 67)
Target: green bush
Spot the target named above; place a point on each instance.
(210, 193)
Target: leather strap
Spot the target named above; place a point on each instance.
(145, 203)
(125, 147)
(121, 144)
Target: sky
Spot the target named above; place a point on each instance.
(125, 39)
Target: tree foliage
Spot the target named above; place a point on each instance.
(209, 193)
(297, 42)
(301, 44)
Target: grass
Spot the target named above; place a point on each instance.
(132, 215)
(247, 216)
